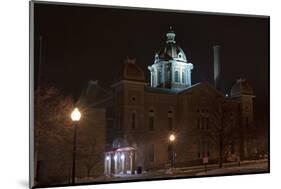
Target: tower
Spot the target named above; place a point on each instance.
(243, 92)
(171, 68)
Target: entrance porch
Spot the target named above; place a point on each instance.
(119, 161)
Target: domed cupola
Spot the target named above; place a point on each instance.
(241, 87)
(171, 68)
(170, 50)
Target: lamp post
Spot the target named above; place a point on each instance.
(75, 116)
(172, 139)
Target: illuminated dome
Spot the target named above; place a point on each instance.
(170, 51)
(241, 87)
(170, 69)
(132, 71)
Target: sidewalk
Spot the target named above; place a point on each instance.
(213, 169)
(249, 167)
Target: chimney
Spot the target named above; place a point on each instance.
(217, 67)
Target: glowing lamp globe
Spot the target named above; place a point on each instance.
(172, 137)
(75, 115)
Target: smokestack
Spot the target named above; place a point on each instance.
(217, 66)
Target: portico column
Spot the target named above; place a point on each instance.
(123, 163)
(115, 163)
(109, 165)
(131, 162)
(105, 164)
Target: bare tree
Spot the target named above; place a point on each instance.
(52, 126)
(223, 130)
(88, 154)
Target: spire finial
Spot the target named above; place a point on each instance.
(170, 36)
(130, 60)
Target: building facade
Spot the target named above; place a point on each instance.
(141, 115)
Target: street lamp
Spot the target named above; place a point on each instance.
(75, 116)
(172, 138)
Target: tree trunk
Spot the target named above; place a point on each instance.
(221, 154)
(89, 171)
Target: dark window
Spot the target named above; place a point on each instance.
(202, 123)
(133, 120)
(151, 123)
(208, 154)
(198, 123)
(207, 123)
(159, 75)
(170, 123)
(151, 153)
(199, 154)
(247, 122)
(177, 76)
(168, 74)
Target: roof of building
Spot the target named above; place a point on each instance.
(180, 91)
(131, 71)
(170, 50)
(241, 87)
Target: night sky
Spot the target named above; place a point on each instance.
(89, 43)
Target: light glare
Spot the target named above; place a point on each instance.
(172, 137)
(75, 115)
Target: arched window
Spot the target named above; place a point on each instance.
(170, 120)
(151, 120)
(177, 79)
(159, 75)
(183, 77)
(168, 73)
(133, 120)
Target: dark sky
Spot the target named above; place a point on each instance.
(89, 43)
